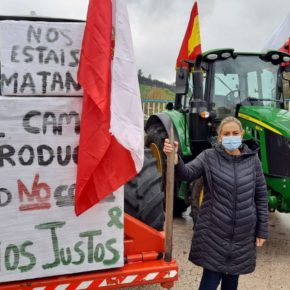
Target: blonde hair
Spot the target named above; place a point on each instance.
(228, 120)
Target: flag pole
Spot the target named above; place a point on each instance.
(169, 200)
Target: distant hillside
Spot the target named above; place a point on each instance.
(155, 90)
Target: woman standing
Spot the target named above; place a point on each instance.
(233, 217)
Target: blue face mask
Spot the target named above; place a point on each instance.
(232, 143)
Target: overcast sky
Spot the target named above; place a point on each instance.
(158, 26)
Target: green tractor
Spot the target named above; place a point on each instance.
(250, 86)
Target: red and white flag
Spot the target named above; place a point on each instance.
(280, 38)
(111, 139)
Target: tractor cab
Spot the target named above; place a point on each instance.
(253, 87)
(247, 80)
(221, 82)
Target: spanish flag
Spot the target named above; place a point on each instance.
(191, 45)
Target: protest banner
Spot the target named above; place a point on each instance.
(40, 58)
(40, 234)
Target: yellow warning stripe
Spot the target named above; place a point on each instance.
(246, 117)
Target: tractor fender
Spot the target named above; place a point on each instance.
(179, 128)
(165, 120)
(162, 118)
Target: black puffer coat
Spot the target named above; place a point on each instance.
(234, 210)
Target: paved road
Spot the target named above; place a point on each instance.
(273, 263)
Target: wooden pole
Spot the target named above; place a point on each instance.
(169, 200)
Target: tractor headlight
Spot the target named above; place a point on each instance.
(226, 55)
(222, 54)
(212, 56)
(275, 56)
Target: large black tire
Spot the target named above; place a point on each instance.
(144, 198)
(156, 134)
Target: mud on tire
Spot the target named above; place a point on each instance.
(144, 198)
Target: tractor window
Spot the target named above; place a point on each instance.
(246, 80)
(253, 85)
(286, 89)
(269, 80)
(226, 88)
(262, 85)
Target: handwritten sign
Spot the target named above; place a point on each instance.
(40, 58)
(39, 232)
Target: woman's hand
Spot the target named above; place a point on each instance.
(260, 242)
(167, 149)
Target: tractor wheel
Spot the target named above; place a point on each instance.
(196, 199)
(156, 134)
(144, 198)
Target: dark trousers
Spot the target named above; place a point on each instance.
(210, 281)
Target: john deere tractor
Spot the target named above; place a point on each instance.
(220, 83)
